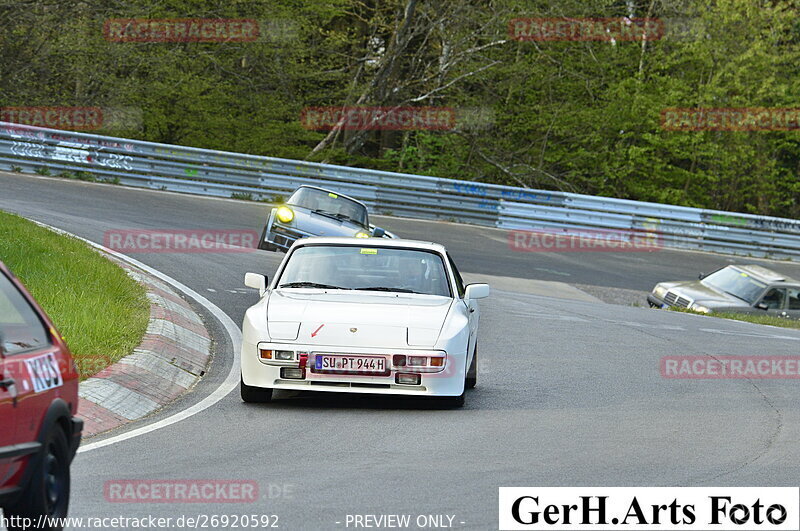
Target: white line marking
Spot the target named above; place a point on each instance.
(553, 271)
(234, 334)
(211, 290)
(748, 334)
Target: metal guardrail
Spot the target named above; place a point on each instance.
(225, 174)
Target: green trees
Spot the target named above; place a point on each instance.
(572, 115)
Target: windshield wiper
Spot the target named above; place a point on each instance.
(329, 214)
(309, 285)
(335, 215)
(384, 288)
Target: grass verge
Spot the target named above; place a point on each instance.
(748, 318)
(100, 310)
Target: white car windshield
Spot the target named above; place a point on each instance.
(737, 283)
(329, 203)
(351, 267)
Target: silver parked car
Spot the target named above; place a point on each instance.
(735, 288)
(312, 211)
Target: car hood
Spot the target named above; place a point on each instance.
(320, 225)
(356, 319)
(698, 292)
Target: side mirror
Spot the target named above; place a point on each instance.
(378, 232)
(476, 291)
(762, 306)
(256, 281)
(701, 276)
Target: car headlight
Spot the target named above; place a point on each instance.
(285, 214)
(284, 355)
(659, 291)
(700, 308)
(362, 234)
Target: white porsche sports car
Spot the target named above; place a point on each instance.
(362, 316)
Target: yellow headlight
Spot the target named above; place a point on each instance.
(285, 214)
(362, 235)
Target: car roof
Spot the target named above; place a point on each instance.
(371, 242)
(762, 273)
(330, 192)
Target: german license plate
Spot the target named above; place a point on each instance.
(350, 364)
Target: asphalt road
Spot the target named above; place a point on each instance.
(570, 392)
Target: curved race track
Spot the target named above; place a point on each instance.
(569, 393)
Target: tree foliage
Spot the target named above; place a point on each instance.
(576, 116)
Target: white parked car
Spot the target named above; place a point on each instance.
(362, 316)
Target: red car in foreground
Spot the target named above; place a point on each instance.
(39, 433)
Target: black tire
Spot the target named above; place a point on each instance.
(454, 402)
(254, 395)
(472, 372)
(47, 493)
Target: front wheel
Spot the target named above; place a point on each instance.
(47, 493)
(254, 395)
(453, 402)
(472, 372)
